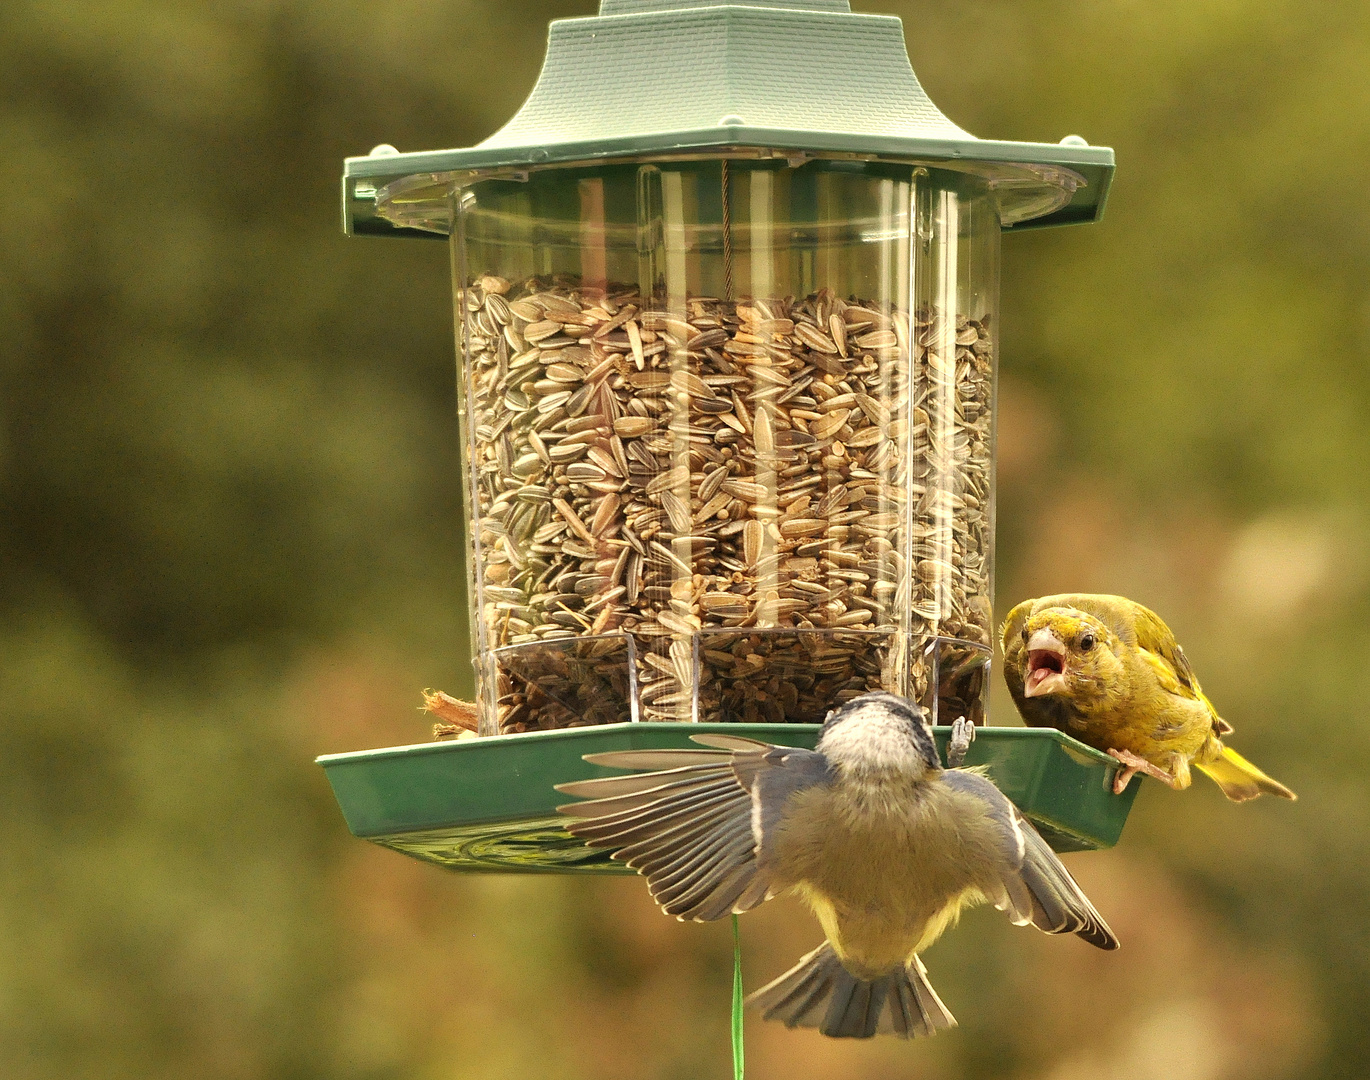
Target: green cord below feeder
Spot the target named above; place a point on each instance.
(737, 1003)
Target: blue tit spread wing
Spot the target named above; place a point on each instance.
(700, 832)
(1035, 885)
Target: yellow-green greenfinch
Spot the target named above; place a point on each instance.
(1109, 672)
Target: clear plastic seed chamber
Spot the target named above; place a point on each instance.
(726, 295)
(729, 425)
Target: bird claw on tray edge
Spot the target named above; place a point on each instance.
(962, 735)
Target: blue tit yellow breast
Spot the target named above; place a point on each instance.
(887, 866)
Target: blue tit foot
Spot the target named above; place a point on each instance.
(962, 735)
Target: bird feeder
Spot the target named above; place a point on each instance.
(726, 293)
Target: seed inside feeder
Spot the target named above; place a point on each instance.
(741, 482)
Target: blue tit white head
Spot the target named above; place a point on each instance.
(879, 733)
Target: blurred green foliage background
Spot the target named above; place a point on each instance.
(229, 540)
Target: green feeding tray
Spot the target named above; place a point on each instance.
(489, 804)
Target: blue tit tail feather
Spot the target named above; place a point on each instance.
(1239, 779)
(819, 992)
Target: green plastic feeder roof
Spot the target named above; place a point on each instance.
(792, 79)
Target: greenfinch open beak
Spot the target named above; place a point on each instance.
(1046, 665)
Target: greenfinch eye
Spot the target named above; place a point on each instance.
(1087, 641)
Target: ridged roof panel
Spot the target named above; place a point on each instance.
(651, 73)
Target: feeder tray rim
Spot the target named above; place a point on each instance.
(1066, 741)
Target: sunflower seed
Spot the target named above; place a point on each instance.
(632, 426)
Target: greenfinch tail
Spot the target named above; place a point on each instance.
(1239, 779)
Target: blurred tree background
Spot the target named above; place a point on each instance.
(229, 540)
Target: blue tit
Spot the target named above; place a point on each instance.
(883, 844)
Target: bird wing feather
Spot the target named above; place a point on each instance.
(701, 833)
(1167, 677)
(1162, 652)
(1154, 637)
(1037, 888)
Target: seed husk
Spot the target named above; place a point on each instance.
(752, 537)
(829, 424)
(631, 427)
(606, 513)
(677, 511)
